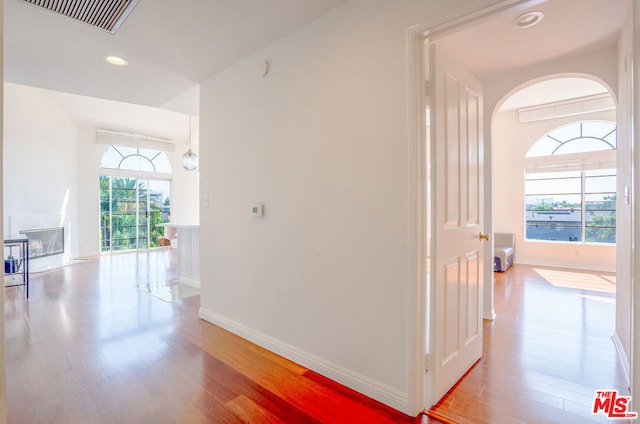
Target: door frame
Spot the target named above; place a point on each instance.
(417, 184)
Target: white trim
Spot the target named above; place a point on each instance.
(363, 384)
(626, 365)
(635, 218)
(110, 172)
(585, 161)
(129, 139)
(582, 267)
(417, 226)
(565, 108)
(189, 281)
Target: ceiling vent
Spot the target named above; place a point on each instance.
(106, 15)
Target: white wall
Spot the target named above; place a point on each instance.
(624, 257)
(322, 140)
(50, 150)
(511, 141)
(3, 397)
(40, 153)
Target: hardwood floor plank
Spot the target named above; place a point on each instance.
(250, 412)
(94, 344)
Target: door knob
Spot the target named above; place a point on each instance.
(483, 236)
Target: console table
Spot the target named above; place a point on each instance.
(18, 265)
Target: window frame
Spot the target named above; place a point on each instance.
(582, 164)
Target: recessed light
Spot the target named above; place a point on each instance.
(527, 19)
(115, 60)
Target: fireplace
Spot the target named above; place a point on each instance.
(45, 241)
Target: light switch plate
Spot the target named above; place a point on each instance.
(257, 210)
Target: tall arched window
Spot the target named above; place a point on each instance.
(135, 186)
(570, 184)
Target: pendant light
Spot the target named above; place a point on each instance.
(190, 159)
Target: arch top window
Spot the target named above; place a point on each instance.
(578, 137)
(570, 184)
(136, 159)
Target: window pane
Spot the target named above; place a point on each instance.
(548, 202)
(553, 186)
(137, 163)
(598, 129)
(554, 226)
(585, 136)
(159, 198)
(111, 159)
(605, 184)
(600, 202)
(162, 164)
(581, 145)
(543, 147)
(567, 132)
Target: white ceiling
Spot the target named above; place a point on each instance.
(568, 26)
(171, 45)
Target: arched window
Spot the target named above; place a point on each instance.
(579, 137)
(570, 184)
(135, 186)
(136, 159)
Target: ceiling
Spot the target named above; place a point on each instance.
(172, 46)
(568, 26)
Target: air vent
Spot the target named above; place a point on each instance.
(106, 15)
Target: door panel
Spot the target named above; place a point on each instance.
(457, 206)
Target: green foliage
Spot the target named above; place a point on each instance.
(601, 229)
(124, 213)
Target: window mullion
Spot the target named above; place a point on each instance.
(110, 214)
(583, 201)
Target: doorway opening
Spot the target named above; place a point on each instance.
(501, 84)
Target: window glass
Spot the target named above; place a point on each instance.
(572, 206)
(136, 159)
(579, 137)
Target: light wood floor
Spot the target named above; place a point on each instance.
(547, 352)
(116, 340)
(113, 340)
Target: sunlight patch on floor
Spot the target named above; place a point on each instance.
(579, 280)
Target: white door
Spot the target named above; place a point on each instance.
(456, 221)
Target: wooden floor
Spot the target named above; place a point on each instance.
(546, 353)
(116, 340)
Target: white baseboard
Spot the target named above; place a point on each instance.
(193, 282)
(626, 364)
(358, 382)
(491, 316)
(584, 267)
